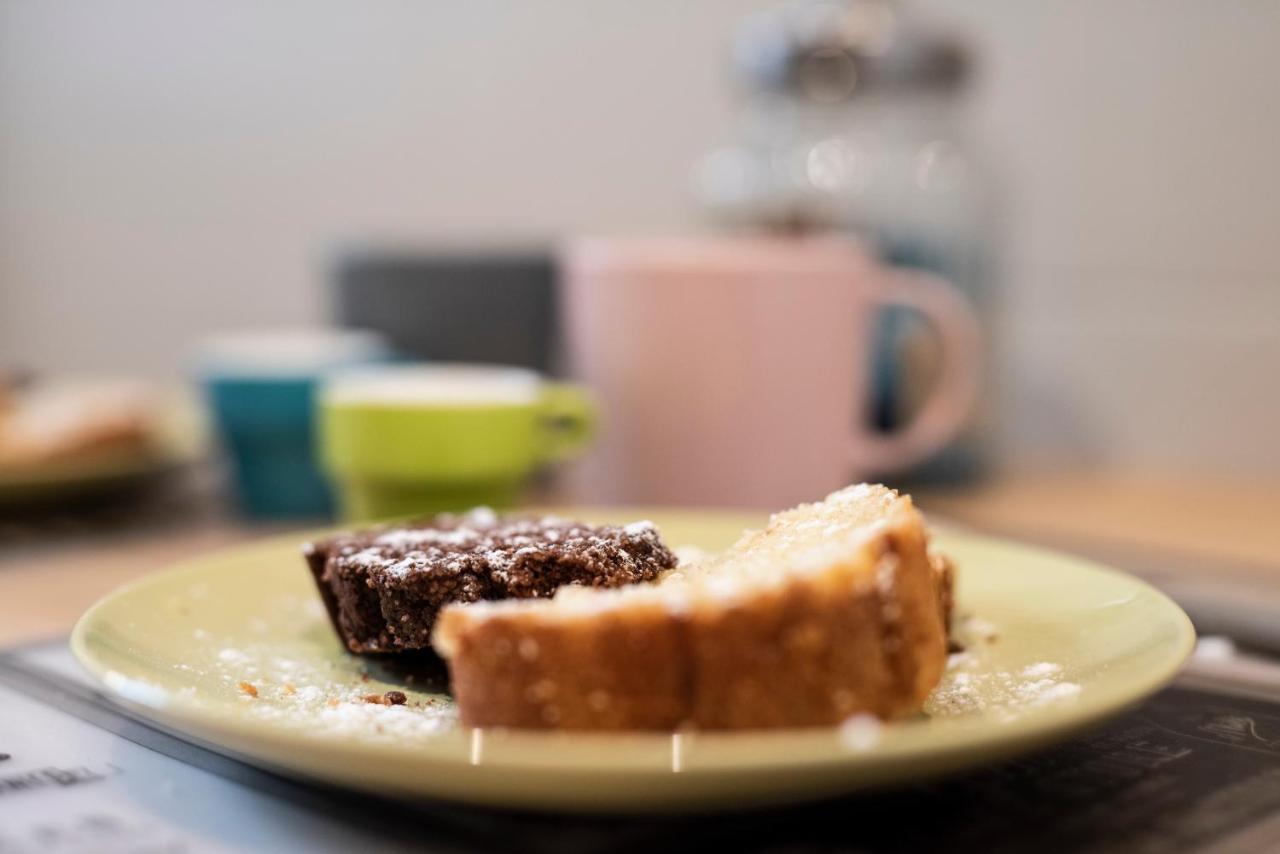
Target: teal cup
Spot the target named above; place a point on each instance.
(260, 388)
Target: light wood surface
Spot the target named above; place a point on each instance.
(1214, 529)
(1231, 528)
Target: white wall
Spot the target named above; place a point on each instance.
(168, 168)
(1142, 141)
(193, 162)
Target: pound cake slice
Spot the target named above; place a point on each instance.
(834, 609)
(383, 588)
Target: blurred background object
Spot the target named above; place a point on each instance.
(494, 306)
(416, 438)
(261, 390)
(76, 441)
(170, 171)
(734, 371)
(64, 420)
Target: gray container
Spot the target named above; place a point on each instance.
(490, 307)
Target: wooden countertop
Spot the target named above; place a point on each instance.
(1235, 526)
(1214, 529)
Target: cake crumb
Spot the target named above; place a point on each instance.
(981, 628)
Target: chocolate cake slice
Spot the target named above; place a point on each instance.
(384, 587)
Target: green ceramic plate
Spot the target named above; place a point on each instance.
(1054, 645)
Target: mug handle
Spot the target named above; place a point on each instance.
(951, 400)
(569, 418)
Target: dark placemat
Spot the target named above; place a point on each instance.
(1197, 767)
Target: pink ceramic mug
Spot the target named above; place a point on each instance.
(734, 370)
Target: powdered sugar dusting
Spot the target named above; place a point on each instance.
(1041, 670)
(409, 537)
(483, 543)
(293, 677)
(972, 686)
(483, 516)
(294, 689)
(345, 712)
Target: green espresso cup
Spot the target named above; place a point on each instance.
(404, 439)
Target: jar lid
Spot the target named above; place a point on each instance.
(830, 51)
